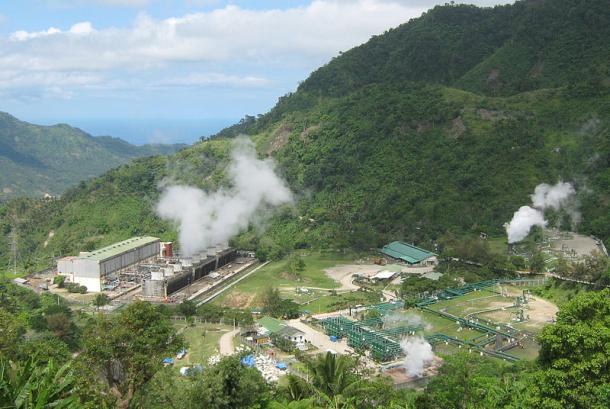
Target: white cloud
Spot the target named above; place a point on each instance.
(318, 30)
(196, 79)
(84, 27)
(151, 53)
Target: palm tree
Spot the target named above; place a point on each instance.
(28, 386)
(334, 375)
(295, 404)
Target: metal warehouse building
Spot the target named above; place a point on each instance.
(410, 254)
(89, 268)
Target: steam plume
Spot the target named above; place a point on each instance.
(545, 196)
(418, 352)
(206, 219)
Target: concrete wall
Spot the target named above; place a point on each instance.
(93, 284)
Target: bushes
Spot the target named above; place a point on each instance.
(59, 281)
(75, 288)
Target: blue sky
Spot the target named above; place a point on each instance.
(189, 65)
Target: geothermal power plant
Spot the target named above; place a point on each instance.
(147, 268)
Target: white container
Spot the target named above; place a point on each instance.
(156, 275)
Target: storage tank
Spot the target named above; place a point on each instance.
(177, 267)
(211, 251)
(186, 261)
(157, 275)
(168, 271)
(153, 288)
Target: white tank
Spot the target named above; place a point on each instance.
(156, 275)
(211, 251)
(168, 271)
(186, 262)
(177, 267)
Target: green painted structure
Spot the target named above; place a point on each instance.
(384, 343)
(272, 325)
(406, 252)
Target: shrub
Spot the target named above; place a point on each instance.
(59, 281)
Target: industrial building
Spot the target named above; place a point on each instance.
(93, 269)
(410, 254)
(166, 279)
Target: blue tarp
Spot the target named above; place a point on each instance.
(280, 365)
(248, 361)
(333, 338)
(168, 361)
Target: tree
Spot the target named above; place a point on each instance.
(128, 349)
(537, 262)
(467, 381)
(11, 333)
(272, 301)
(29, 385)
(100, 300)
(229, 385)
(62, 327)
(575, 355)
(44, 349)
(295, 266)
(334, 374)
(188, 308)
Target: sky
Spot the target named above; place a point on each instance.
(173, 70)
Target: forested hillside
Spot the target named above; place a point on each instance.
(35, 160)
(444, 124)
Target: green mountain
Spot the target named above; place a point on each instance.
(35, 160)
(444, 124)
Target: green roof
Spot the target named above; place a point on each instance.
(271, 324)
(406, 252)
(118, 248)
(289, 331)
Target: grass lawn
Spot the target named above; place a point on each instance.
(327, 303)
(471, 302)
(202, 341)
(274, 274)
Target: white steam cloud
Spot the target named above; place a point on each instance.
(397, 319)
(206, 219)
(418, 354)
(545, 196)
(556, 196)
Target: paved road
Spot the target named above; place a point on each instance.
(226, 342)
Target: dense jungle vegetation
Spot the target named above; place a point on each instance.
(444, 124)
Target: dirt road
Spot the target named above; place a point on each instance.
(319, 339)
(226, 342)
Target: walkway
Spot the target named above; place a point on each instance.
(226, 342)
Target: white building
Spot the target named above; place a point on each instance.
(89, 268)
